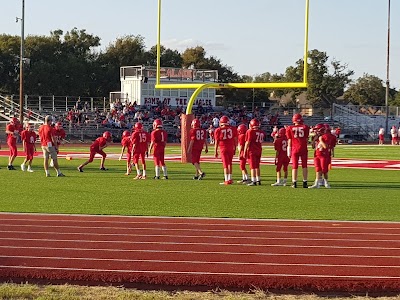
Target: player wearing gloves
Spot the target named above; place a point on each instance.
(297, 135)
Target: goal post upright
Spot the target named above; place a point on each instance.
(198, 87)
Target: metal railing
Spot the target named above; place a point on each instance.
(10, 109)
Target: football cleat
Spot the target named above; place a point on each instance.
(202, 176)
(305, 185)
(165, 177)
(252, 183)
(23, 167)
(143, 177)
(103, 169)
(156, 177)
(138, 177)
(60, 175)
(314, 186)
(294, 185)
(80, 169)
(327, 185)
(29, 170)
(195, 177)
(277, 184)
(258, 182)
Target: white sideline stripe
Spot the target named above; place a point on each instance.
(203, 273)
(338, 222)
(194, 236)
(202, 252)
(206, 230)
(203, 244)
(330, 225)
(198, 262)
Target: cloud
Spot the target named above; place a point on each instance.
(182, 45)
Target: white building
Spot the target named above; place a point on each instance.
(138, 85)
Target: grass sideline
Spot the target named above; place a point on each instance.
(356, 194)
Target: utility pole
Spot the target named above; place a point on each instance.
(387, 74)
(21, 65)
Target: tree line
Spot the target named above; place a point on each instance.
(70, 64)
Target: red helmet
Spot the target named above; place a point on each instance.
(157, 123)
(14, 121)
(107, 135)
(195, 123)
(297, 118)
(327, 127)
(242, 128)
(254, 123)
(319, 128)
(58, 125)
(138, 126)
(126, 134)
(282, 132)
(224, 120)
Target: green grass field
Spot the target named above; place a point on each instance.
(356, 194)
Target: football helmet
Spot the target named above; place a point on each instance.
(297, 119)
(224, 120)
(138, 126)
(195, 123)
(327, 127)
(242, 128)
(282, 132)
(58, 125)
(157, 123)
(107, 135)
(319, 128)
(126, 134)
(14, 121)
(254, 123)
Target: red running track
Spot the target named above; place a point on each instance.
(312, 256)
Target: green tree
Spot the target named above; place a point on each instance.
(367, 90)
(9, 63)
(168, 57)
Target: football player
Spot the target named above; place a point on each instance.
(12, 136)
(297, 135)
(253, 150)
(242, 128)
(226, 140)
(59, 135)
(321, 145)
(28, 137)
(126, 144)
(158, 142)
(281, 158)
(198, 141)
(97, 147)
(140, 144)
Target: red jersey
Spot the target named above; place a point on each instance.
(280, 146)
(141, 141)
(298, 134)
(198, 136)
(45, 134)
(159, 139)
(29, 137)
(320, 151)
(100, 142)
(11, 137)
(59, 135)
(126, 142)
(227, 137)
(332, 141)
(255, 138)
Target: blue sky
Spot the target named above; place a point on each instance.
(252, 36)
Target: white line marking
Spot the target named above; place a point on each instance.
(195, 236)
(203, 273)
(202, 244)
(197, 262)
(201, 252)
(205, 230)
